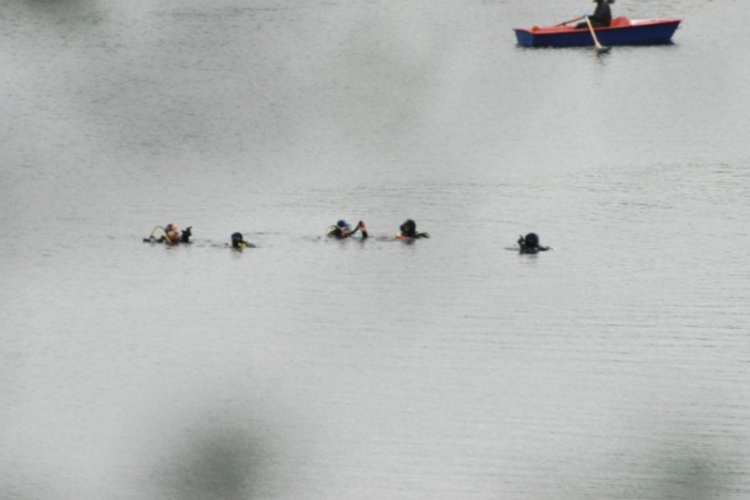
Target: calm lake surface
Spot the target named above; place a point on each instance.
(616, 366)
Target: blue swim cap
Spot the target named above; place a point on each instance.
(342, 224)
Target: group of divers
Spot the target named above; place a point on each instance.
(172, 235)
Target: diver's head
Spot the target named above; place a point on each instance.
(408, 228)
(532, 240)
(171, 234)
(236, 238)
(343, 225)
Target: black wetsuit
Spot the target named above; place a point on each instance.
(412, 236)
(602, 16)
(530, 244)
(525, 249)
(408, 231)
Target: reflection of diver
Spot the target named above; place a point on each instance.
(408, 231)
(342, 230)
(530, 244)
(170, 235)
(240, 244)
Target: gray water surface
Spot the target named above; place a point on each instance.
(614, 366)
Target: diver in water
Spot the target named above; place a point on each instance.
(530, 244)
(342, 230)
(171, 235)
(238, 243)
(602, 15)
(408, 231)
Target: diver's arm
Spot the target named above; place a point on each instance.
(361, 226)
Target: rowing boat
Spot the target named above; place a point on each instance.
(621, 31)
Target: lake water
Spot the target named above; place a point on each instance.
(615, 366)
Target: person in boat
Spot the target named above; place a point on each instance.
(342, 230)
(530, 244)
(171, 235)
(408, 231)
(238, 243)
(601, 17)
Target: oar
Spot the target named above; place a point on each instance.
(599, 47)
(571, 21)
